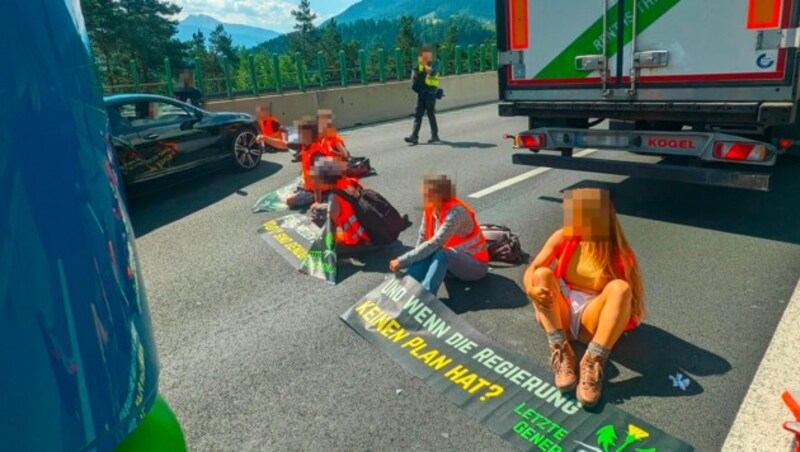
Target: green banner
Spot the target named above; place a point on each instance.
(497, 386)
(275, 201)
(590, 41)
(308, 248)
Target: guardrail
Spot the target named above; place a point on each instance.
(369, 103)
(272, 76)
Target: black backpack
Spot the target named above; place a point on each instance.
(503, 244)
(359, 167)
(379, 218)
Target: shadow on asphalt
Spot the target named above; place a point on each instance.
(376, 261)
(492, 292)
(160, 203)
(655, 355)
(771, 215)
(467, 144)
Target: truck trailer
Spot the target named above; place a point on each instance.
(712, 85)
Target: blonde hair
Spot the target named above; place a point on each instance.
(607, 254)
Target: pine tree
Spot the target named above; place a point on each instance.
(452, 37)
(197, 46)
(142, 30)
(304, 39)
(406, 37)
(222, 44)
(332, 42)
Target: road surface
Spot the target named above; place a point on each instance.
(254, 357)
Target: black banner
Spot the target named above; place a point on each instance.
(305, 246)
(502, 389)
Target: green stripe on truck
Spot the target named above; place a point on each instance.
(590, 42)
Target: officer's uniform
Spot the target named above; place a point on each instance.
(427, 85)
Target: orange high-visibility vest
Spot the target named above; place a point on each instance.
(269, 126)
(330, 142)
(474, 244)
(349, 230)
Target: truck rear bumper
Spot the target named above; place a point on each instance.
(686, 174)
(702, 145)
(747, 113)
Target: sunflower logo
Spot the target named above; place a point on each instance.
(607, 439)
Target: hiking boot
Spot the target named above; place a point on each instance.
(591, 384)
(562, 362)
(435, 139)
(411, 140)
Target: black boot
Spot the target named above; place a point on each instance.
(414, 138)
(435, 139)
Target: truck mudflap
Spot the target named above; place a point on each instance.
(686, 174)
(708, 146)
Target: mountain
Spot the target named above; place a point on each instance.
(382, 9)
(243, 35)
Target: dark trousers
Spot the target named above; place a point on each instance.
(426, 103)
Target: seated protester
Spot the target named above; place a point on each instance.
(328, 174)
(593, 294)
(272, 133)
(303, 194)
(450, 239)
(329, 136)
(357, 167)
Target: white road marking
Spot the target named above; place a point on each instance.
(758, 423)
(524, 176)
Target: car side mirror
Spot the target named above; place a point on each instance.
(189, 123)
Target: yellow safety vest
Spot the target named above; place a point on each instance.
(430, 80)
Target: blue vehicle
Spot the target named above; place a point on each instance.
(79, 369)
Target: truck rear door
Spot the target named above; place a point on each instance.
(651, 50)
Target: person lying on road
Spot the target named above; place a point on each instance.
(450, 239)
(272, 133)
(593, 294)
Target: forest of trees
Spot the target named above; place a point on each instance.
(132, 38)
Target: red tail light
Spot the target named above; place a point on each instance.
(740, 151)
(533, 141)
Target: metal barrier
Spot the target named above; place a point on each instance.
(260, 74)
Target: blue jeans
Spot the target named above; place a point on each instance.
(430, 272)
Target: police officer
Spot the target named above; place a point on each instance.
(425, 82)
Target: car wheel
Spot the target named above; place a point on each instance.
(246, 152)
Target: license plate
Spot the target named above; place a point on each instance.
(586, 140)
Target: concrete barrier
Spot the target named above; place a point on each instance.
(366, 104)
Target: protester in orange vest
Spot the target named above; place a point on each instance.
(593, 294)
(329, 136)
(450, 239)
(272, 133)
(328, 174)
(308, 137)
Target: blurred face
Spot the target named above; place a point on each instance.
(305, 135)
(327, 175)
(325, 121)
(587, 214)
(427, 56)
(262, 112)
(436, 190)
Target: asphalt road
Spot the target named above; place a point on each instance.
(254, 357)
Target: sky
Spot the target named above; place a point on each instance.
(271, 14)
